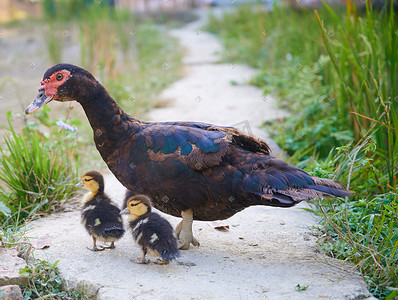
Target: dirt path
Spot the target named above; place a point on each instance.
(266, 253)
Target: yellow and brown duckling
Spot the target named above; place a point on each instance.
(100, 216)
(153, 233)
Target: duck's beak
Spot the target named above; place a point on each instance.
(79, 184)
(125, 211)
(40, 100)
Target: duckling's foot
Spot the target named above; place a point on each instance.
(96, 248)
(141, 261)
(161, 262)
(112, 246)
(184, 231)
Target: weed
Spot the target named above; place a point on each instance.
(15, 236)
(45, 282)
(301, 288)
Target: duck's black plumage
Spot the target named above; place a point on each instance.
(206, 171)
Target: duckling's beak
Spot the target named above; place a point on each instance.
(79, 184)
(40, 100)
(125, 211)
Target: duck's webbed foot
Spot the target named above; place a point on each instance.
(95, 247)
(184, 231)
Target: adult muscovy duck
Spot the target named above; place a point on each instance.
(196, 170)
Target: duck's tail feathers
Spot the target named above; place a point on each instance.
(329, 187)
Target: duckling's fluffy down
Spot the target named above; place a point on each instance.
(154, 233)
(101, 219)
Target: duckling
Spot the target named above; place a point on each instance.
(152, 233)
(99, 215)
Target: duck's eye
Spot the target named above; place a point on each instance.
(59, 76)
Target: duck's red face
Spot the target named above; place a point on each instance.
(49, 90)
(65, 82)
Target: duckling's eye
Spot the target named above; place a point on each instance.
(59, 76)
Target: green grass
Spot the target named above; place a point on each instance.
(335, 70)
(365, 78)
(37, 175)
(364, 228)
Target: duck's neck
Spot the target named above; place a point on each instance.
(88, 197)
(110, 124)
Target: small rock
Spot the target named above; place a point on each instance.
(188, 264)
(10, 292)
(42, 242)
(10, 265)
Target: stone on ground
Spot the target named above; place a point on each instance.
(10, 265)
(10, 292)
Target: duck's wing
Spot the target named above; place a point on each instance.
(197, 147)
(237, 137)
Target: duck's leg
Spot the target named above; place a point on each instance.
(95, 248)
(184, 230)
(178, 229)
